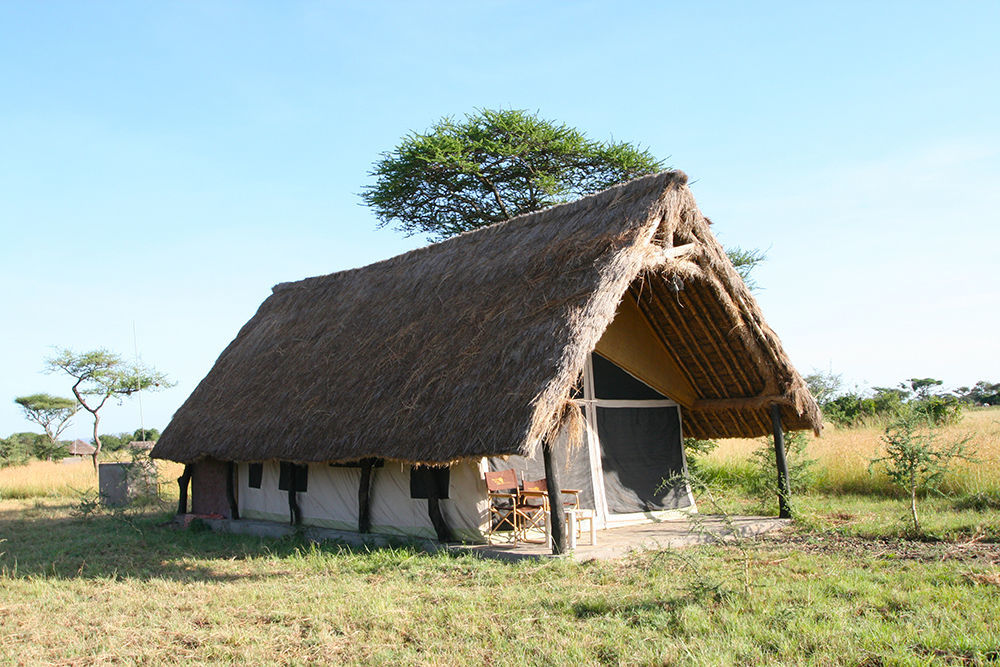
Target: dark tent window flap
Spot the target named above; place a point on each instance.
(640, 448)
(612, 383)
(256, 475)
(301, 473)
(424, 478)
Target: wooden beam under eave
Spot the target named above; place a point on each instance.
(631, 343)
(739, 403)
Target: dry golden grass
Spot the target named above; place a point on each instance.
(50, 479)
(842, 454)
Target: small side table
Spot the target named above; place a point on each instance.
(573, 519)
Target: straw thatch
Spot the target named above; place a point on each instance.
(470, 347)
(81, 448)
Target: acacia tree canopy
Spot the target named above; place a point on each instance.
(100, 374)
(493, 166)
(50, 412)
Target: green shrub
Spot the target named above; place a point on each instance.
(940, 410)
(694, 450)
(763, 479)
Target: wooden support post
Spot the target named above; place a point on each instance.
(557, 516)
(295, 514)
(234, 510)
(364, 496)
(434, 511)
(784, 492)
(182, 482)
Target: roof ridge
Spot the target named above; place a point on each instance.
(656, 182)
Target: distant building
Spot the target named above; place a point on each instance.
(81, 448)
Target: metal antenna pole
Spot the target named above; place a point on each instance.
(135, 346)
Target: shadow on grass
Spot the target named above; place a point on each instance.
(149, 545)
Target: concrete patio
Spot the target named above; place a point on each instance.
(611, 543)
(615, 543)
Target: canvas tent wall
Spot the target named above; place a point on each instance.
(330, 499)
(472, 347)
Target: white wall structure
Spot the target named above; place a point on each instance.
(331, 500)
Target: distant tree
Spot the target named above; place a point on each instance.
(18, 448)
(112, 442)
(496, 165)
(50, 412)
(849, 408)
(921, 387)
(824, 386)
(148, 435)
(982, 393)
(99, 375)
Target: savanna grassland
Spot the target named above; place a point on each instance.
(846, 584)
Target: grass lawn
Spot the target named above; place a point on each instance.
(131, 589)
(847, 584)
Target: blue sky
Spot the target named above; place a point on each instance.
(167, 163)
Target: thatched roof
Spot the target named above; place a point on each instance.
(471, 346)
(81, 448)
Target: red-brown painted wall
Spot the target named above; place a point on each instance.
(208, 487)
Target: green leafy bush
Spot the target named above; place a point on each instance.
(694, 450)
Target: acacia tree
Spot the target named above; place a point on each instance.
(50, 412)
(100, 375)
(496, 165)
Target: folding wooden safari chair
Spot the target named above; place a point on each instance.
(532, 507)
(504, 497)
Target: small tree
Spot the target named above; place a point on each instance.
(100, 375)
(915, 460)
(52, 413)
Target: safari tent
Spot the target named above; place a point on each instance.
(581, 343)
